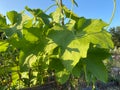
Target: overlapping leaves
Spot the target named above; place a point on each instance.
(36, 35)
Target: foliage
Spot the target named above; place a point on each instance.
(46, 47)
(115, 32)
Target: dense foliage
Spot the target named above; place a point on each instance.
(115, 32)
(42, 46)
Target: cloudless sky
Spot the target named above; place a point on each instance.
(97, 9)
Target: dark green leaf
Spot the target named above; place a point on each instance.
(56, 64)
(94, 63)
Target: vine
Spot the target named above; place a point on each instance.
(48, 47)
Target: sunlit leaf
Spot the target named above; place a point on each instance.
(76, 49)
(70, 14)
(2, 20)
(90, 25)
(56, 16)
(3, 46)
(38, 13)
(62, 76)
(12, 16)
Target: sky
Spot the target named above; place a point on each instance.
(95, 9)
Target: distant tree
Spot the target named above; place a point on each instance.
(115, 31)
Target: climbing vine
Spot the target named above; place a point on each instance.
(45, 44)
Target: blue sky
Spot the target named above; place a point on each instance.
(97, 9)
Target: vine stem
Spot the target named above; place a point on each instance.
(50, 7)
(61, 5)
(113, 13)
(84, 67)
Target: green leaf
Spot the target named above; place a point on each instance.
(9, 32)
(62, 76)
(60, 35)
(3, 46)
(70, 25)
(78, 69)
(93, 31)
(56, 64)
(12, 16)
(94, 63)
(56, 15)
(50, 48)
(22, 18)
(90, 25)
(3, 24)
(32, 42)
(80, 23)
(75, 50)
(97, 69)
(22, 58)
(99, 53)
(27, 49)
(30, 60)
(94, 26)
(39, 13)
(2, 20)
(28, 23)
(15, 77)
(102, 39)
(17, 29)
(70, 14)
(29, 36)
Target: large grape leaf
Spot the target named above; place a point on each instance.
(97, 69)
(19, 19)
(102, 39)
(75, 50)
(60, 35)
(93, 31)
(94, 62)
(90, 25)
